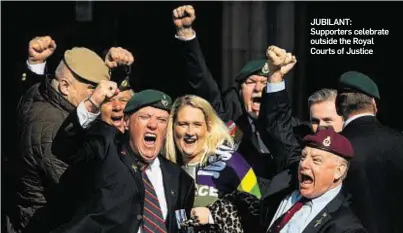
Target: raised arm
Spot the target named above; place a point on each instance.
(194, 65)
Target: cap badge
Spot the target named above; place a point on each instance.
(164, 101)
(327, 141)
(265, 68)
(124, 83)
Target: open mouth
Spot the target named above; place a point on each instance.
(117, 121)
(257, 100)
(189, 140)
(150, 138)
(306, 179)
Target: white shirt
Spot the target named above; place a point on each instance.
(307, 213)
(355, 117)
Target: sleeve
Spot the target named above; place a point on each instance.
(200, 80)
(275, 126)
(38, 69)
(85, 118)
(241, 207)
(73, 144)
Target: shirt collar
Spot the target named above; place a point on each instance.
(154, 164)
(320, 202)
(355, 117)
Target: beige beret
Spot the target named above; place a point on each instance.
(86, 64)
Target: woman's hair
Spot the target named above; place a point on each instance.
(217, 134)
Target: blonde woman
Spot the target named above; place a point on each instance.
(199, 140)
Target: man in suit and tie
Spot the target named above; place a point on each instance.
(126, 185)
(376, 172)
(318, 205)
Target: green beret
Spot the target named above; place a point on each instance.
(86, 64)
(258, 67)
(146, 98)
(356, 81)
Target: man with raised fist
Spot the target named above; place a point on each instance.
(238, 106)
(41, 112)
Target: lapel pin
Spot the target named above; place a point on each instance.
(319, 221)
(134, 166)
(173, 193)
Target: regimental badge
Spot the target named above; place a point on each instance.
(319, 221)
(265, 68)
(124, 83)
(164, 101)
(134, 166)
(327, 141)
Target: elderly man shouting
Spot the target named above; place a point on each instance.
(126, 185)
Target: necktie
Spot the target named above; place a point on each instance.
(152, 215)
(285, 218)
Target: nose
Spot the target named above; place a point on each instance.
(152, 123)
(117, 106)
(304, 164)
(259, 87)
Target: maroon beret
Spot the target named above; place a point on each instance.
(328, 140)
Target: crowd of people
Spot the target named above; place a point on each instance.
(96, 156)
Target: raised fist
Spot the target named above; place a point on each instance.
(183, 16)
(118, 56)
(279, 60)
(104, 90)
(40, 48)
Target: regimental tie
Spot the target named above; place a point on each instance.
(286, 217)
(152, 215)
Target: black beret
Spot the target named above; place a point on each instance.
(146, 98)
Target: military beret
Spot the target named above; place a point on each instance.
(356, 81)
(86, 64)
(328, 140)
(146, 98)
(125, 85)
(258, 67)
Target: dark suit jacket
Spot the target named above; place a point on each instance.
(336, 217)
(228, 104)
(375, 174)
(111, 191)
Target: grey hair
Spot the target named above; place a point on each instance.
(322, 95)
(347, 163)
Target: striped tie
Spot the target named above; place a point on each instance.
(153, 220)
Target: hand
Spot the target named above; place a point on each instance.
(280, 62)
(40, 48)
(118, 56)
(104, 90)
(200, 215)
(183, 18)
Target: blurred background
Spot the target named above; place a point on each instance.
(230, 33)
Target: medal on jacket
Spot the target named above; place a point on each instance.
(235, 132)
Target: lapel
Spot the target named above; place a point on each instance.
(245, 126)
(325, 215)
(127, 156)
(170, 177)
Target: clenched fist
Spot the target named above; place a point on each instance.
(40, 48)
(104, 90)
(279, 61)
(117, 56)
(183, 18)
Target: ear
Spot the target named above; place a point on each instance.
(340, 170)
(64, 86)
(374, 104)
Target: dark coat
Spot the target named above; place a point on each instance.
(228, 104)
(375, 174)
(41, 112)
(111, 191)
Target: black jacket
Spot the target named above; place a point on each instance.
(111, 191)
(375, 174)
